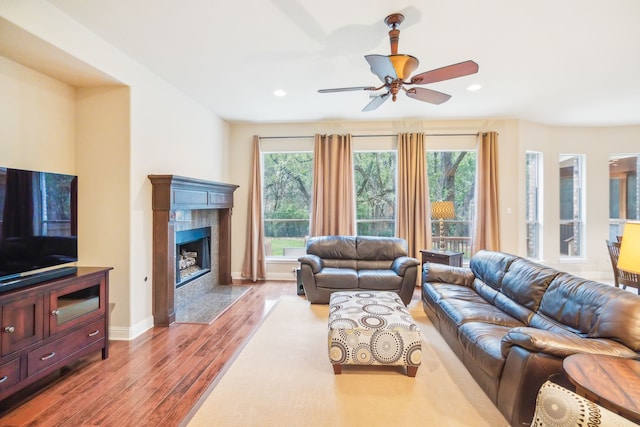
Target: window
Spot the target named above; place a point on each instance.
(375, 182)
(571, 205)
(533, 202)
(451, 176)
(624, 192)
(286, 196)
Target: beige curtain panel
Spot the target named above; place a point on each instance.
(413, 221)
(486, 229)
(254, 266)
(332, 200)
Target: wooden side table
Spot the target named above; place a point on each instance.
(612, 382)
(442, 257)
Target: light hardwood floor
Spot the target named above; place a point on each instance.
(153, 380)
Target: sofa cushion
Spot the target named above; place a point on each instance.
(490, 266)
(514, 309)
(594, 309)
(378, 280)
(476, 309)
(337, 278)
(525, 282)
(377, 248)
(438, 291)
(333, 247)
(483, 343)
(484, 290)
(541, 321)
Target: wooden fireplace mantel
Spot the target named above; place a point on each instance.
(173, 193)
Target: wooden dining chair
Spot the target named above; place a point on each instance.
(621, 277)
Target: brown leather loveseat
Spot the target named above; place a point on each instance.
(343, 263)
(512, 322)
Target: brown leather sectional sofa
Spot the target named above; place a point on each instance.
(343, 263)
(512, 322)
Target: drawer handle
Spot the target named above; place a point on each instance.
(55, 312)
(10, 329)
(48, 356)
(94, 333)
(3, 379)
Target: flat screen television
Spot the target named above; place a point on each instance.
(38, 226)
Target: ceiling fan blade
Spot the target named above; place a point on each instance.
(376, 102)
(382, 67)
(346, 89)
(427, 95)
(445, 73)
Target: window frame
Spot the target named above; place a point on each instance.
(578, 221)
(435, 246)
(534, 202)
(282, 146)
(358, 221)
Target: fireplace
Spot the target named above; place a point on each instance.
(181, 204)
(193, 254)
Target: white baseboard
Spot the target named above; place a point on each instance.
(120, 333)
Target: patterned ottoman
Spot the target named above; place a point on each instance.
(372, 328)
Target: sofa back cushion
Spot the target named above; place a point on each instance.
(374, 248)
(357, 252)
(333, 247)
(490, 266)
(594, 309)
(526, 282)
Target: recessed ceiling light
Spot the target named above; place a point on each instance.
(474, 87)
(279, 92)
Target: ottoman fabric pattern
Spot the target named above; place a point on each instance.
(372, 328)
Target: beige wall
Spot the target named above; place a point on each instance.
(37, 120)
(102, 165)
(112, 134)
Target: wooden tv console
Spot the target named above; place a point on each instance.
(46, 326)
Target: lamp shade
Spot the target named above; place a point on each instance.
(629, 259)
(442, 210)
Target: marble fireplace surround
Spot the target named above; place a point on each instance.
(174, 197)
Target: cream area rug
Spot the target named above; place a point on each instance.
(282, 377)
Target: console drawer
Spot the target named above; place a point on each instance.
(9, 374)
(56, 351)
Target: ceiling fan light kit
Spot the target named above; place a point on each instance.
(394, 71)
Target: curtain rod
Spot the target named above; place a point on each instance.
(370, 136)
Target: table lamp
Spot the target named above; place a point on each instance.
(629, 259)
(441, 211)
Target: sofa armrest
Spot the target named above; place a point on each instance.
(561, 345)
(401, 264)
(443, 273)
(312, 260)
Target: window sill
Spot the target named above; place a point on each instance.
(281, 260)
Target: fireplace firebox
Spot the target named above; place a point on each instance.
(193, 254)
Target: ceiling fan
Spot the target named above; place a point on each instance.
(394, 69)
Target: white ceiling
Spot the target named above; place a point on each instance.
(558, 62)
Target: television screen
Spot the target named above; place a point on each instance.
(38, 221)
